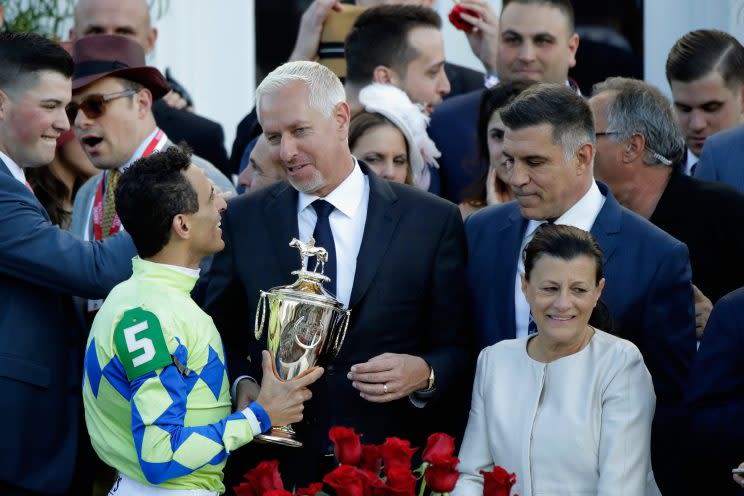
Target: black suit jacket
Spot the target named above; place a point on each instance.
(407, 297)
(709, 218)
(205, 137)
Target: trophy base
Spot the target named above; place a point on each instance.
(283, 435)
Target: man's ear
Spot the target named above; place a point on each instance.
(342, 116)
(181, 226)
(634, 148)
(573, 46)
(386, 75)
(143, 99)
(584, 158)
(152, 37)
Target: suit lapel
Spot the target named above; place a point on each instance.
(607, 224)
(382, 218)
(510, 241)
(280, 215)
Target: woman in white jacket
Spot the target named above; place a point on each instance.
(567, 408)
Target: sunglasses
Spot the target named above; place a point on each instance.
(94, 106)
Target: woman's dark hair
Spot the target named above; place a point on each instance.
(567, 243)
(365, 121)
(492, 100)
(51, 193)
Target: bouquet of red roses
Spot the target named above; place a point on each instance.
(378, 470)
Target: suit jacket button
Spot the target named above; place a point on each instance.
(330, 369)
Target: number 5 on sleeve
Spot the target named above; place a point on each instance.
(140, 343)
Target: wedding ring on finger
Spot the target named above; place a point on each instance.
(384, 388)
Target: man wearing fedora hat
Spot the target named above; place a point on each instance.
(40, 266)
(111, 109)
(131, 18)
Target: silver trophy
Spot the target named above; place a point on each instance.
(306, 326)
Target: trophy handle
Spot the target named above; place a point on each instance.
(260, 316)
(341, 335)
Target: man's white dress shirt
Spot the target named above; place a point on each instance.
(582, 215)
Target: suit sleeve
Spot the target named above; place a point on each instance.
(705, 168)
(449, 345)
(625, 432)
(716, 389)
(669, 324)
(40, 253)
(224, 298)
(475, 454)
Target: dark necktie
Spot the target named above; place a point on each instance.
(531, 327)
(692, 169)
(324, 238)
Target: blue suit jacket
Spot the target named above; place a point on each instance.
(716, 397)
(722, 158)
(41, 340)
(648, 292)
(454, 129)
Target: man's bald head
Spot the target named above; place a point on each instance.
(129, 18)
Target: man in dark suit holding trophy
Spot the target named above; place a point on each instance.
(396, 259)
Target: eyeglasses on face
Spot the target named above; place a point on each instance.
(606, 133)
(94, 106)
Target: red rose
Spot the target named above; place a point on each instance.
(346, 445)
(441, 476)
(244, 489)
(310, 490)
(371, 459)
(438, 444)
(400, 481)
(347, 481)
(264, 477)
(456, 19)
(397, 452)
(498, 482)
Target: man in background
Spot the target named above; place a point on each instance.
(131, 18)
(533, 39)
(640, 154)
(705, 70)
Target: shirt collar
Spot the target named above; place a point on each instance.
(582, 214)
(692, 159)
(346, 197)
(141, 149)
(14, 169)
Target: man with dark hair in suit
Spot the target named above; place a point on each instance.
(131, 18)
(40, 267)
(549, 147)
(536, 41)
(705, 70)
(640, 151)
(397, 258)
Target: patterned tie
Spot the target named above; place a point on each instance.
(109, 203)
(324, 238)
(531, 327)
